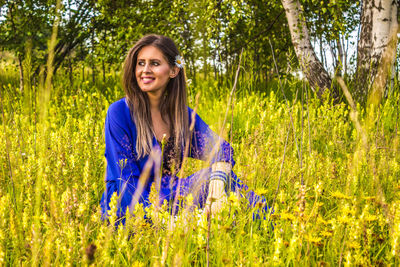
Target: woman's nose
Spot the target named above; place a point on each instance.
(146, 68)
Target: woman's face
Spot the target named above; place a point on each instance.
(153, 71)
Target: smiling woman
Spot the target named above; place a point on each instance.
(153, 71)
(155, 110)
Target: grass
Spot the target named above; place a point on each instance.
(346, 212)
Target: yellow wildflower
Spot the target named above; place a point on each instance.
(261, 191)
(371, 218)
(288, 216)
(137, 264)
(313, 239)
(340, 195)
(326, 233)
(369, 198)
(344, 219)
(353, 244)
(320, 220)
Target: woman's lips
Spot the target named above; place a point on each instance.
(147, 80)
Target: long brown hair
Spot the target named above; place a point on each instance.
(173, 105)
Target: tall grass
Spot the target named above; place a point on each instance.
(338, 217)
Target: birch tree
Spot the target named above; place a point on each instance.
(312, 68)
(379, 24)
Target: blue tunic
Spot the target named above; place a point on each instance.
(120, 138)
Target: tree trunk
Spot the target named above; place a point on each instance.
(71, 76)
(83, 72)
(378, 18)
(346, 51)
(104, 71)
(312, 68)
(205, 56)
(21, 75)
(340, 57)
(385, 66)
(93, 64)
(321, 50)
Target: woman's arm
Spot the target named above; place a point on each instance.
(208, 146)
(216, 198)
(122, 169)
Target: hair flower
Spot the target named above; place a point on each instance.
(179, 62)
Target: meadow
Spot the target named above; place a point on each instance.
(330, 173)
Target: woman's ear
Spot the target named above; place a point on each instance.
(174, 72)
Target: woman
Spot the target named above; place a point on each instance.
(155, 108)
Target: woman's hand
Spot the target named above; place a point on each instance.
(216, 198)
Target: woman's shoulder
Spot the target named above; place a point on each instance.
(118, 107)
(118, 112)
(191, 111)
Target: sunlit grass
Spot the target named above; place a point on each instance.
(337, 217)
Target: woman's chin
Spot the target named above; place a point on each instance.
(150, 88)
(152, 91)
(146, 88)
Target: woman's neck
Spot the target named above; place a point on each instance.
(154, 100)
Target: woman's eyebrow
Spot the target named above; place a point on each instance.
(151, 59)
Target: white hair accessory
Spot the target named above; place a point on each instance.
(179, 62)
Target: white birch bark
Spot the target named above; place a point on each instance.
(383, 20)
(312, 68)
(378, 23)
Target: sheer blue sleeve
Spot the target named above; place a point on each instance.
(207, 145)
(122, 167)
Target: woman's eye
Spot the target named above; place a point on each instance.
(141, 63)
(156, 63)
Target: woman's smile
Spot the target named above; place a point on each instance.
(147, 79)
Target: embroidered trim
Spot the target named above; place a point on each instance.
(219, 175)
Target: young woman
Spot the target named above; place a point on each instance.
(155, 107)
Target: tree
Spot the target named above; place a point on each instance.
(74, 29)
(378, 26)
(31, 22)
(331, 23)
(312, 68)
(22, 19)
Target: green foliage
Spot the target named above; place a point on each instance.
(331, 24)
(21, 22)
(347, 211)
(27, 25)
(332, 18)
(99, 33)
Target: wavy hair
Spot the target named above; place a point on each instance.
(173, 105)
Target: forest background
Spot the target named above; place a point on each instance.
(306, 91)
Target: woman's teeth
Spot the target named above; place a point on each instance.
(147, 79)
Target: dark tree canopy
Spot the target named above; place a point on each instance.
(210, 34)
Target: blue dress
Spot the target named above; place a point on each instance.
(120, 138)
